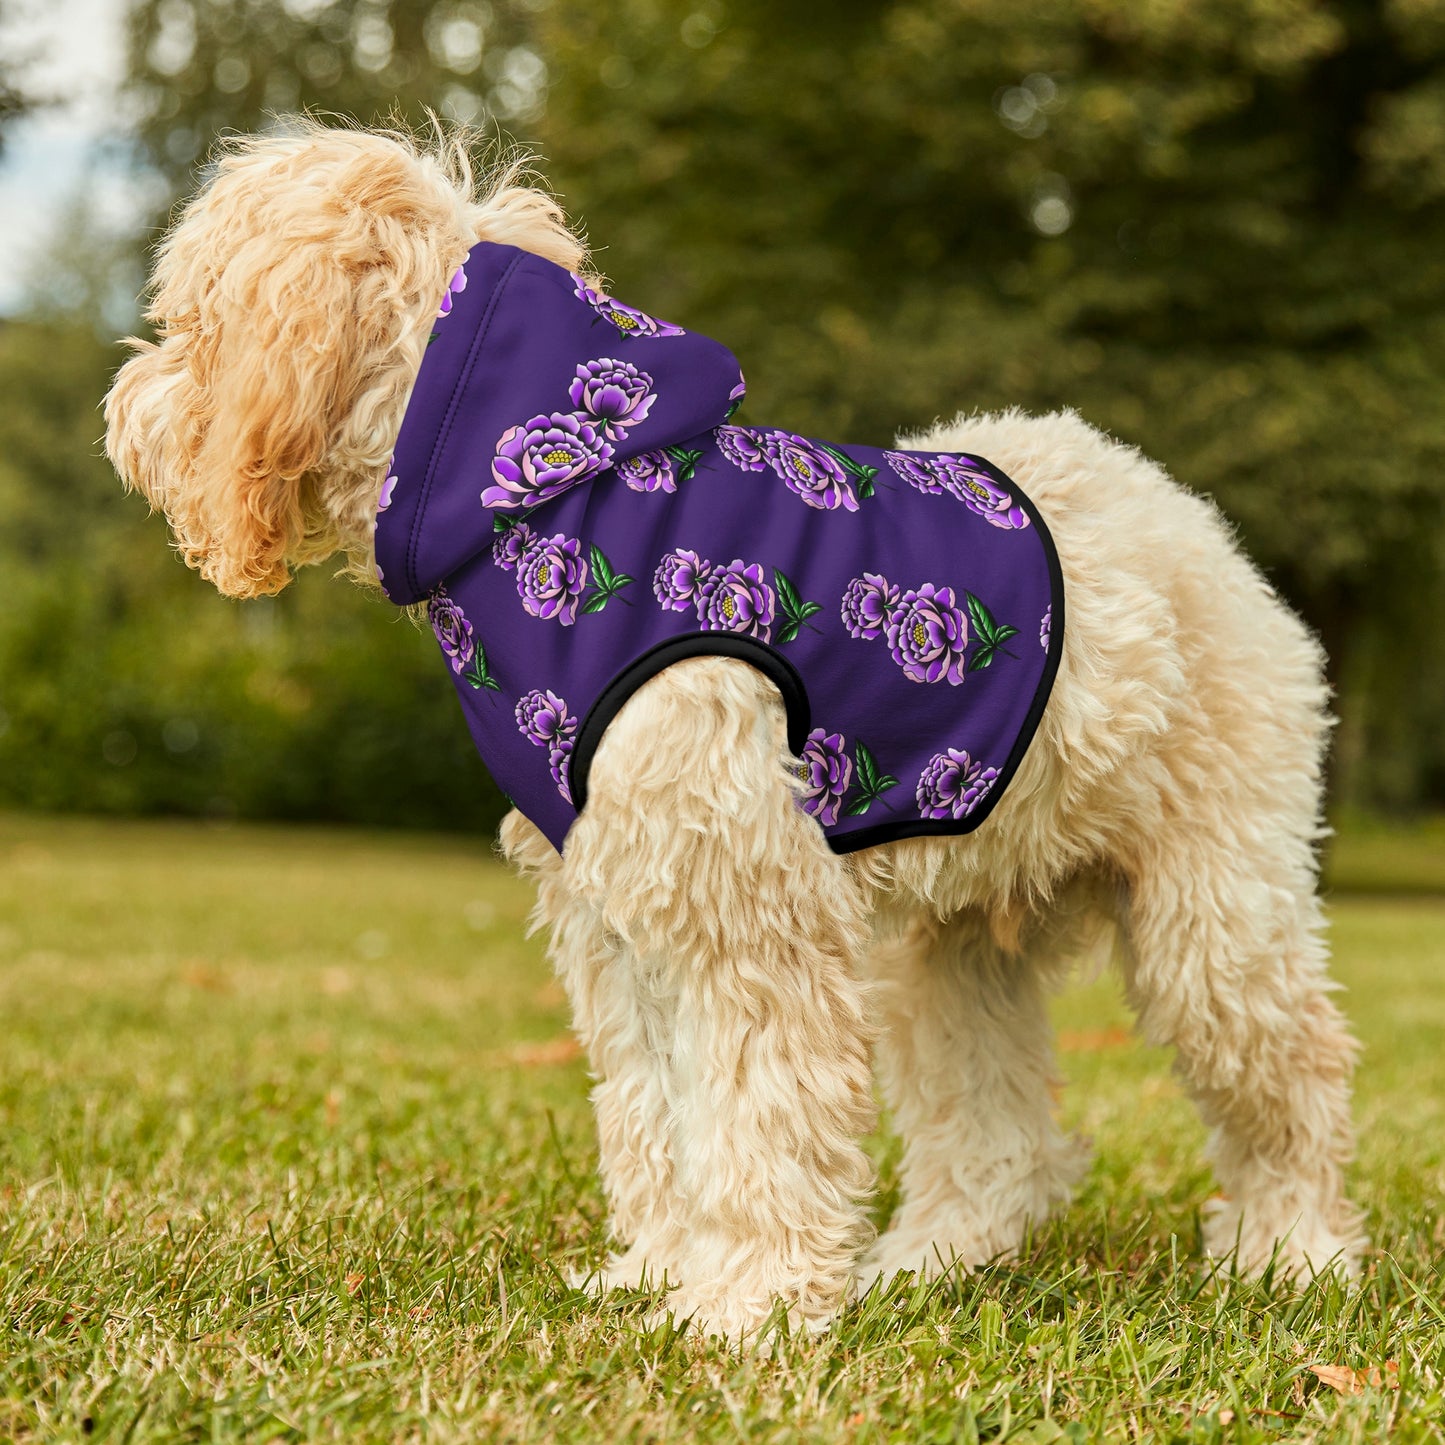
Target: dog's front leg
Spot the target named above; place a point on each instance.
(743, 930)
(625, 1029)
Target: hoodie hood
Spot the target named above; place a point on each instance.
(504, 417)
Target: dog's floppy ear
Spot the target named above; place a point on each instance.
(222, 422)
(291, 303)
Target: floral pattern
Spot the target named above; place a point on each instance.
(546, 457)
(735, 598)
(512, 546)
(964, 479)
(554, 580)
(917, 471)
(819, 474)
(953, 784)
(615, 392)
(867, 603)
(1046, 626)
(543, 719)
(742, 447)
(980, 493)
(826, 771)
(627, 319)
(388, 490)
(452, 629)
(928, 634)
(455, 287)
(809, 471)
(551, 454)
(551, 576)
(649, 472)
(677, 579)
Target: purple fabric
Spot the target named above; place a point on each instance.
(572, 500)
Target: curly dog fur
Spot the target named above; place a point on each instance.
(731, 978)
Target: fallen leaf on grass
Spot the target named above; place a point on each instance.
(561, 1050)
(1345, 1381)
(1090, 1041)
(197, 973)
(354, 1283)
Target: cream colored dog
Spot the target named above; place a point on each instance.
(729, 975)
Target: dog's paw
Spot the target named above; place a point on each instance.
(741, 1323)
(632, 1270)
(916, 1252)
(1298, 1245)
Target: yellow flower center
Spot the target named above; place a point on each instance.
(729, 608)
(802, 468)
(557, 457)
(977, 488)
(544, 574)
(623, 322)
(919, 635)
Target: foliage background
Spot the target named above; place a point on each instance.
(1215, 227)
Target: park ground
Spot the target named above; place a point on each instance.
(294, 1145)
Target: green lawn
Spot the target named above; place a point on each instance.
(293, 1146)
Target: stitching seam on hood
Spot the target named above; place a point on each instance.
(440, 444)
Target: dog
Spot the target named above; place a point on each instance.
(731, 975)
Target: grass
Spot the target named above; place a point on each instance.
(293, 1146)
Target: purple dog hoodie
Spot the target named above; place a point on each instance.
(573, 502)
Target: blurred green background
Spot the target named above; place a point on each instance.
(1214, 227)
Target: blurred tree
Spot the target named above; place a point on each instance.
(201, 67)
(15, 100)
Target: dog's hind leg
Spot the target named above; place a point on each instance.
(625, 1030)
(746, 930)
(1228, 965)
(966, 1061)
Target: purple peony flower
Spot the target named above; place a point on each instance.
(928, 634)
(677, 579)
(453, 630)
(543, 719)
(1046, 627)
(736, 599)
(388, 487)
(953, 785)
(649, 472)
(511, 548)
(551, 574)
(866, 605)
(455, 287)
(559, 759)
(742, 447)
(973, 486)
(808, 470)
(917, 471)
(615, 392)
(627, 319)
(826, 771)
(544, 458)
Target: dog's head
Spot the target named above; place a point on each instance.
(292, 302)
